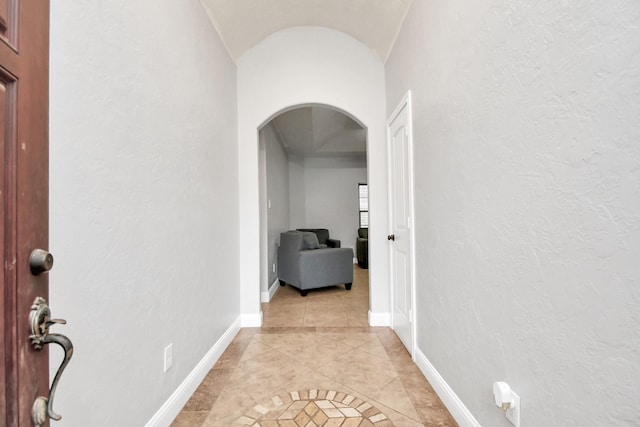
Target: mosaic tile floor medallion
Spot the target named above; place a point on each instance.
(314, 408)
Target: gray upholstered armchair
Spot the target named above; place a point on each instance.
(304, 265)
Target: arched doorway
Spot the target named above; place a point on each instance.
(312, 162)
(281, 73)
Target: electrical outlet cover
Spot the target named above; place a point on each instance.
(168, 357)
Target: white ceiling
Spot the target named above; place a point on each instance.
(318, 131)
(311, 131)
(243, 24)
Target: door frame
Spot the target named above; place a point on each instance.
(405, 103)
(265, 286)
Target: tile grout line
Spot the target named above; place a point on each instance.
(313, 310)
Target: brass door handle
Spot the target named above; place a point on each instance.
(40, 320)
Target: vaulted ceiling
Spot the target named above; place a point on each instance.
(311, 131)
(244, 23)
(319, 131)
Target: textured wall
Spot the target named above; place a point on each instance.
(144, 209)
(297, 188)
(527, 153)
(332, 196)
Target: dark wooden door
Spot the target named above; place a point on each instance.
(24, 93)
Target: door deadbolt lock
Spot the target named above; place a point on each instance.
(40, 261)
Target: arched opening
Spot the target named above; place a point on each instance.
(338, 72)
(312, 166)
(312, 105)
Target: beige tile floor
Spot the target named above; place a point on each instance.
(315, 362)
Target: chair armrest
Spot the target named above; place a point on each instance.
(333, 243)
(325, 267)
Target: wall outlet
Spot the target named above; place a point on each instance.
(168, 357)
(507, 400)
(513, 413)
(274, 267)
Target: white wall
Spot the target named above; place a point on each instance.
(331, 196)
(277, 177)
(144, 208)
(264, 218)
(300, 66)
(297, 188)
(527, 202)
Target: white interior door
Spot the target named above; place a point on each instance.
(401, 213)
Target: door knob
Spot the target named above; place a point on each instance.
(39, 321)
(391, 237)
(40, 261)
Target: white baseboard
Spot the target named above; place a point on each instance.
(171, 408)
(264, 296)
(456, 407)
(379, 319)
(251, 320)
(268, 295)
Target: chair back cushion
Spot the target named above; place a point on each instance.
(310, 241)
(321, 233)
(292, 241)
(363, 233)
